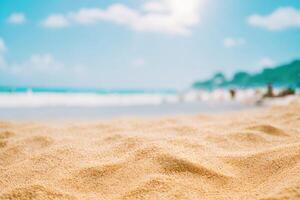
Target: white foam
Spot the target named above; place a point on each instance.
(10, 100)
(52, 99)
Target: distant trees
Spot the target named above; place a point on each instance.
(285, 75)
(216, 81)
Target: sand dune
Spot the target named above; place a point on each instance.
(245, 155)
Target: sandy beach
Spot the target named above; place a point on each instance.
(240, 155)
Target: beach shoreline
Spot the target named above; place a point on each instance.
(45, 114)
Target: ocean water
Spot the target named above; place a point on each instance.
(68, 103)
(9, 89)
(20, 97)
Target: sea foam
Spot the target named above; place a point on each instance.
(29, 99)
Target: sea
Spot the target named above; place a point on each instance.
(43, 103)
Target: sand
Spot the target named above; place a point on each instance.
(244, 155)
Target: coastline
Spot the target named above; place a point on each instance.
(111, 112)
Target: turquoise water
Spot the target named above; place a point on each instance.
(4, 89)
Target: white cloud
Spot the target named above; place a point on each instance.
(138, 62)
(154, 6)
(163, 16)
(2, 51)
(2, 46)
(55, 21)
(44, 62)
(2, 62)
(17, 18)
(37, 63)
(233, 42)
(280, 19)
(266, 62)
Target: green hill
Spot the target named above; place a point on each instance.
(287, 75)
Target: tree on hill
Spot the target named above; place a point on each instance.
(287, 75)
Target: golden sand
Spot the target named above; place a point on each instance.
(244, 155)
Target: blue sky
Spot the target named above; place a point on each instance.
(142, 43)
